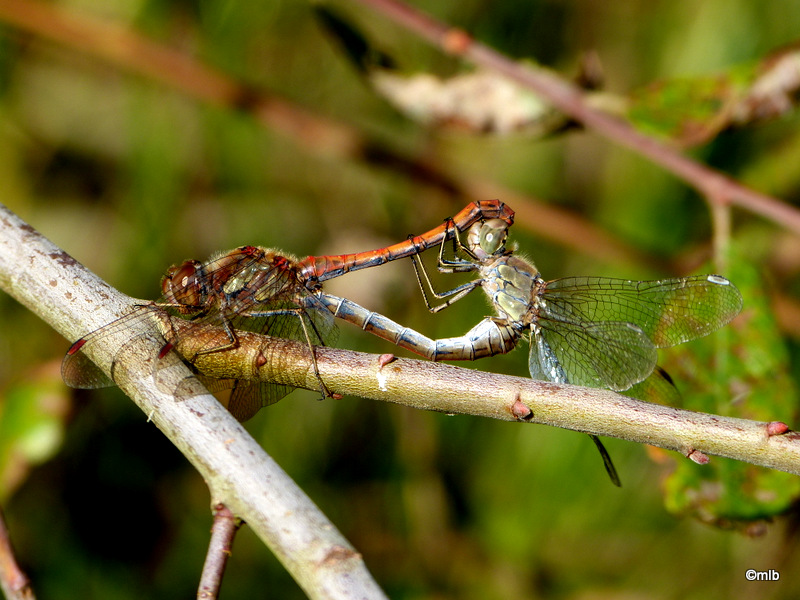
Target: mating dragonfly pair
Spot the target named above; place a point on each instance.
(592, 331)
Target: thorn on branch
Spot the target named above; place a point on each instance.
(521, 411)
(385, 359)
(698, 457)
(776, 428)
(456, 41)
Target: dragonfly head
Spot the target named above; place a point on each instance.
(488, 238)
(181, 284)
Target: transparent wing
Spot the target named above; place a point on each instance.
(79, 371)
(302, 318)
(668, 311)
(657, 388)
(248, 397)
(611, 355)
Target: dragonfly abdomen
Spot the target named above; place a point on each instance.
(489, 337)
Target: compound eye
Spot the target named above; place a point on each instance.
(181, 284)
(493, 236)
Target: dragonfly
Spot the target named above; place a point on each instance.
(260, 290)
(592, 331)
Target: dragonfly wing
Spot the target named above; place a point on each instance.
(78, 370)
(611, 355)
(245, 399)
(607, 462)
(542, 361)
(248, 397)
(544, 365)
(323, 322)
(668, 311)
(657, 388)
(289, 320)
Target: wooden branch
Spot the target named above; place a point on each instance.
(237, 470)
(456, 390)
(423, 385)
(226, 524)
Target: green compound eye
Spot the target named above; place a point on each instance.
(493, 236)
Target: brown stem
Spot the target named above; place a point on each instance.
(219, 550)
(568, 98)
(13, 581)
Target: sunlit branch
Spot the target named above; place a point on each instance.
(455, 390)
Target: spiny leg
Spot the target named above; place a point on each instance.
(233, 341)
(453, 295)
(457, 264)
(454, 266)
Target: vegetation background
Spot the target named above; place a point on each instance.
(130, 175)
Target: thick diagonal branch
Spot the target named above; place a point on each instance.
(238, 471)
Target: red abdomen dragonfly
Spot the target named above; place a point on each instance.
(260, 290)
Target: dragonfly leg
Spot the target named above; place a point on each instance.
(233, 341)
(457, 264)
(170, 339)
(454, 294)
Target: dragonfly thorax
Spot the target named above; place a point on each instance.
(245, 274)
(512, 285)
(253, 275)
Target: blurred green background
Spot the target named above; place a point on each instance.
(129, 176)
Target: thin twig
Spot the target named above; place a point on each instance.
(133, 52)
(13, 581)
(127, 49)
(570, 99)
(226, 524)
(237, 470)
(721, 234)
